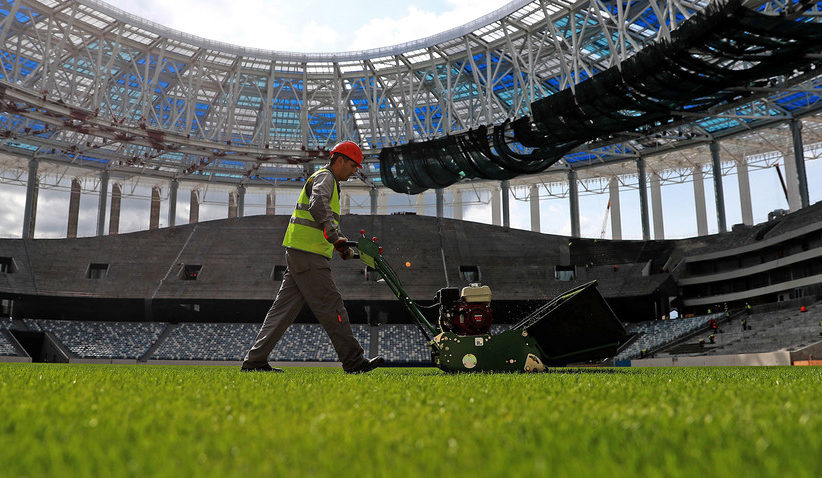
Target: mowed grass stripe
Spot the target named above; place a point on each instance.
(100, 420)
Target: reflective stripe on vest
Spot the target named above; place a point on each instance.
(303, 232)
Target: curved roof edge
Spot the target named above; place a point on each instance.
(392, 50)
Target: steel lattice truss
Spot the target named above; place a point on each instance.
(85, 85)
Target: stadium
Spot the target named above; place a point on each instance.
(167, 165)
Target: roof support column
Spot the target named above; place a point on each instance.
(101, 205)
(506, 209)
(656, 207)
(744, 192)
(573, 195)
(495, 207)
(32, 190)
(74, 208)
(616, 218)
(154, 215)
(345, 207)
(533, 197)
(699, 202)
(643, 199)
(457, 209)
(720, 194)
(271, 203)
(798, 176)
(114, 213)
(194, 207)
(440, 202)
(172, 203)
(232, 204)
(375, 200)
(241, 200)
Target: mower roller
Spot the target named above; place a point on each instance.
(574, 327)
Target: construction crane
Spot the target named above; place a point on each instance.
(605, 220)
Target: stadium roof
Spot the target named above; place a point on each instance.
(86, 85)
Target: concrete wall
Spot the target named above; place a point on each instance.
(769, 358)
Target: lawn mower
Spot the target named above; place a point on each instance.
(577, 326)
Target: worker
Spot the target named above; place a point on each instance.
(712, 338)
(747, 309)
(312, 235)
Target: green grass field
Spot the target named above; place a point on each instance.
(95, 420)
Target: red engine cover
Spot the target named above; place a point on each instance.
(473, 319)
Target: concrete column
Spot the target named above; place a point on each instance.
(32, 190)
(457, 209)
(720, 194)
(533, 197)
(345, 207)
(114, 212)
(440, 202)
(232, 204)
(172, 203)
(573, 196)
(420, 204)
(496, 209)
(796, 175)
(375, 195)
(616, 214)
(241, 200)
(74, 208)
(154, 218)
(656, 207)
(101, 205)
(699, 202)
(505, 192)
(271, 203)
(744, 192)
(643, 199)
(194, 207)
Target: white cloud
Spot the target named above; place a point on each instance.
(417, 23)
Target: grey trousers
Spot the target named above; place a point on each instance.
(308, 280)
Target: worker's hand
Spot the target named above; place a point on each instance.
(339, 244)
(346, 253)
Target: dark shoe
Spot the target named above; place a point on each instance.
(259, 367)
(368, 365)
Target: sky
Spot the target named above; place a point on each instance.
(311, 25)
(333, 26)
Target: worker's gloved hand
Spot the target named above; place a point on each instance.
(346, 253)
(339, 244)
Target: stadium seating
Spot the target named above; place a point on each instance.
(403, 343)
(227, 341)
(95, 339)
(770, 331)
(6, 348)
(653, 334)
(218, 341)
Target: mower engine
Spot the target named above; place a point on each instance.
(465, 311)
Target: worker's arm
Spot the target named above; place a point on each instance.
(319, 205)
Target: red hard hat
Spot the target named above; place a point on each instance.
(350, 150)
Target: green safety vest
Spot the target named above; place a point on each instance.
(303, 232)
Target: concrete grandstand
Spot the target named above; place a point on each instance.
(112, 100)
